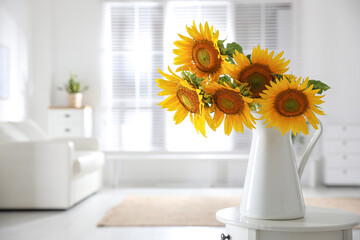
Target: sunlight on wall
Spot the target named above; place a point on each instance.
(16, 40)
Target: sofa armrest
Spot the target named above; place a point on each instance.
(39, 168)
(83, 144)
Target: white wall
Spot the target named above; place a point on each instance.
(330, 50)
(67, 39)
(16, 35)
(42, 61)
(76, 46)
(47, 41)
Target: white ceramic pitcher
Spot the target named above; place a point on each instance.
(272, 186)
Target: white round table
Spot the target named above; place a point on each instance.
(318, 223)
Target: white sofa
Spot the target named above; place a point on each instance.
(41, 173)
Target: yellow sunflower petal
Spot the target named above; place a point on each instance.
(200, 53)
(259, 73)
(286, 104)
(180, 115)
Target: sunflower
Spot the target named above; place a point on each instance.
(200, 53)
(231, 105)
(259, 72)
(185, 99)
(287, 102)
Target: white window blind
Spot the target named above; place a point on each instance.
(182, 14)
(142, 36)
(267, 24)
(137, 51)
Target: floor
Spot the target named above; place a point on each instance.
(80, 221)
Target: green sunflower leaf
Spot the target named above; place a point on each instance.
(230, 60)
(191, 78)
(226, 79)
(242, 87)
(221, 42)
(185, 76)
(221, 47)
(198, 81)
(318, 85)
(207, 98)
(249, 57)
(254, 106)
(235, 84)
(278, 76)
(195, 80)
(246, 92)
(231, 47)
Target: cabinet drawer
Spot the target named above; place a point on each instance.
(344, 130)
(343, 160)
(67, 131)
(70, 116)
(342, 146)
(342, 176)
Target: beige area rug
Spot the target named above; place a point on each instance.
(192, 210)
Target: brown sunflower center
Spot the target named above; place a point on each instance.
(257, 76)
(206, 56)
(188, 98)
(291, 103)
(228, 101)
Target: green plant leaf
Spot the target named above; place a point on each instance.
(318, 85)
(242, 87)
(227, 80)
(249, 57)
(221, 47)
(244, 90)
(254, 106)
(185, 76)
(73, 85)
(191, 78)
(235, 84)
(231, 47)
(206, 98)
(230, 60)
(278, 76)
(221, 42)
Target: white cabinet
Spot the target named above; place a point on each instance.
(70, 122)
(342, 155)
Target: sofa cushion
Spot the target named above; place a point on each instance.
(88, 161)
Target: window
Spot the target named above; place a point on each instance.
(136, 51)
(142, 36)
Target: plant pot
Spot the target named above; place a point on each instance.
(272, 187)
(75, 100)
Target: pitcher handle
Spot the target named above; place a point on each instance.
(309, 149)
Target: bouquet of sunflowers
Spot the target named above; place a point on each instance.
(220, 83)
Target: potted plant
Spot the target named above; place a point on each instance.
(74, 90)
